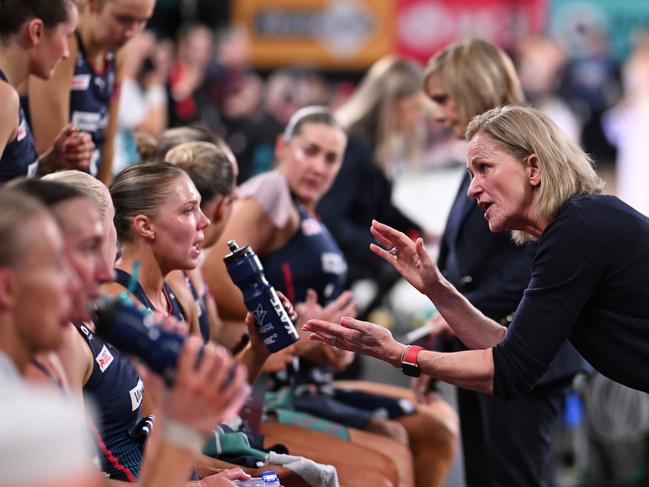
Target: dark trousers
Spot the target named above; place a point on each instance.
(507, 443)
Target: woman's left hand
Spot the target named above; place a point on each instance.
(409, 258)
(357, 336)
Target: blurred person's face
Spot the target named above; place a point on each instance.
(53, 46)
(179, 227)
(502, 185)
(445, 110)
(86, 251)
(409, 111)
(118, 21)
(311, 160)
(42, 283)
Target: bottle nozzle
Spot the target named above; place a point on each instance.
(232, 245)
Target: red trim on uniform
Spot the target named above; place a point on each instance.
(110, 457)
(288, 279)
(170, 306)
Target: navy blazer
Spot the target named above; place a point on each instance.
(492, 272)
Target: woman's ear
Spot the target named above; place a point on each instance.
(219, 210)
(533, 170)
(144, 227)
(6, 289)
(33, 32)
(281, 146)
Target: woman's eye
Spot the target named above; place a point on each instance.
(310, 150)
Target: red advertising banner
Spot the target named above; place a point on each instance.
(423, 27)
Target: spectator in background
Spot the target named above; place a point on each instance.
(626, 125)
(541, 62)
(590, 85)
(143, 101)
(383, 119)
(287, 90)
(187, 76)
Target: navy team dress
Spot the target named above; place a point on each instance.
(311, 259)
(90, 95)
(115, 390)
(20, 152)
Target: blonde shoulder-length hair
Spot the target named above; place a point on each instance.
(566, 170)
(477, 75)
(370, 111)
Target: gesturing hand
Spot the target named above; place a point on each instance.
(357, 336)
(409, 258)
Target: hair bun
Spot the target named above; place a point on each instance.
(146, 145)
(181, 155)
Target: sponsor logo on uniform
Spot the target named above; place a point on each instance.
(88, 121)
(86, 332)
(136, 395)
(311, 226)
(104, 359)
(22, 130)
(333, 263)
(80, 82)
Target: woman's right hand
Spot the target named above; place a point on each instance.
(409, 258)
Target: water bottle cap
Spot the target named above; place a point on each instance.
(269, 476)
(237, 252)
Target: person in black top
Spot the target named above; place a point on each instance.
(492, 272)
(588, 284)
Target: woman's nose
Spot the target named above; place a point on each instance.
(473, 189)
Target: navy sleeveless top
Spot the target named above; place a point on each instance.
(90, 96)
(310, 259)
(201, 306)
(124, 278)
(20, 152)
(115, 389)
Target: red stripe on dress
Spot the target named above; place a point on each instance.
(110, 457)
(288, 280)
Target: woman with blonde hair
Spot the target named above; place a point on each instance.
(588, 281)
(492, 272)
(383, 119)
